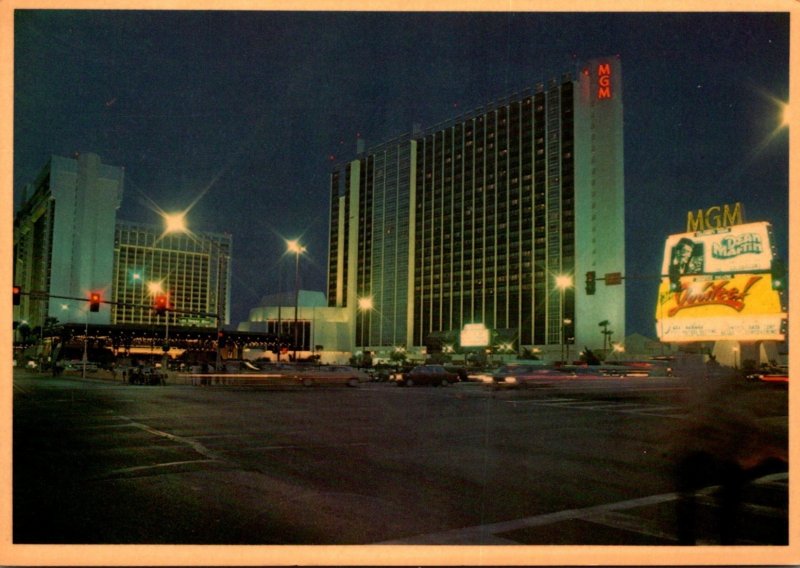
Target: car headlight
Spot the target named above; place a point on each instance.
(510, 380)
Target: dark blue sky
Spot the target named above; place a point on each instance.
(247, 109)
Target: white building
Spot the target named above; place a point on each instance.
(63, 239)
(321, 330)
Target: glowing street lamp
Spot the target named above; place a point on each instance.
(564, 281)
(176, 223)
(365, 304)
(297, 249)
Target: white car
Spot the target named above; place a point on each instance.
(331, 375)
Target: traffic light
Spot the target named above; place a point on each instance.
(94, 302)
(17, 295)
(591, 282)
(162, 305)
(778, 270)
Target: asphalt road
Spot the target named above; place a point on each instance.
(567, 462)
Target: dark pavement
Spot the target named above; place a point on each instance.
(581, 463)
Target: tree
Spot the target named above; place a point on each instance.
(398, 356)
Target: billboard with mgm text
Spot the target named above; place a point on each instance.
(720, 284)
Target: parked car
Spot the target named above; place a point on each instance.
(463, 376)
(435, 375)
(331, 375)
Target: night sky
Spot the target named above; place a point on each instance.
(243, 113)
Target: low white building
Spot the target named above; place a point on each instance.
(321, 330)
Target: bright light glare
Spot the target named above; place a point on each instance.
(619, 348)
(295, 247)
(786, 115)
(154, 287)
(563, 281)
(175, 222)
(365, 303)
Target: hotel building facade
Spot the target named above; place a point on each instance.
(472, 221)
(69, 244)
(63, 239)
(190, 269)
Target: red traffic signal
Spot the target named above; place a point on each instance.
(162, 304)
(17, 295)
(94, 302)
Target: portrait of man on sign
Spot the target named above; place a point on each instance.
(687, 257)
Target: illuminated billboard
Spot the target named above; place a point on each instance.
(740, 307)
(474, 335)
(739, 248)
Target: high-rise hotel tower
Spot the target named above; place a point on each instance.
(474, 221)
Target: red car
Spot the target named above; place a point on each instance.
(770, 375)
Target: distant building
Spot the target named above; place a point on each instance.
(69, 244)
(472, 221)
(63, 238)
(190, 269)
(322, 330)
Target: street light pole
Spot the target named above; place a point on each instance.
(296, 300)
(562, 283)
(219, 308)
(176, 223)
(295, 247)
(364, 304)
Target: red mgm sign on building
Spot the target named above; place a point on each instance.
(717, 285)
(604, 81)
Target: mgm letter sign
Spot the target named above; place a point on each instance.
(717, 284)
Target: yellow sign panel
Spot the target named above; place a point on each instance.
(743, 307)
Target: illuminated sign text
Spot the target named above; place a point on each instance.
(744, 307)
(604, 81)
(712, 293)
(730, 247)
(715, 217)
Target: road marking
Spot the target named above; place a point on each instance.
(140, 468)
(607, 515)
(600, 406)
(481, 532)
(194, 444)
(630, 523)
(301, 447)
